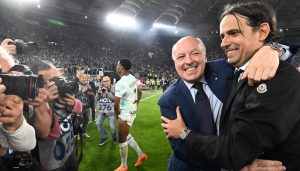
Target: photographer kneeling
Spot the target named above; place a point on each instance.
(59, 154)
(105, 98)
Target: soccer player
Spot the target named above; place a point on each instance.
(127, 97)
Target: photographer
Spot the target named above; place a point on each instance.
(59, 154)
(36, 109)
(105, 97)
(92, 96)
(85, 90)
(15, 132)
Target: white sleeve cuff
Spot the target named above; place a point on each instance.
(22, 139)
(287, 53)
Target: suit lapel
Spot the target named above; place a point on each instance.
(187, 104)
(232, 96)
(184, 93)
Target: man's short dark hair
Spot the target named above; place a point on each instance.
(40, 65)
(256, 13)
(126, 64)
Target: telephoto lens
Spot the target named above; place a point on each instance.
(24, 86)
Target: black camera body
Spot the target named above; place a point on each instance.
(65, 86)
(24, 86)
(103, 89)
(24, 47)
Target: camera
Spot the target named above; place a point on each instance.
(24, 47)
(24, 86)
(103, 89)
(65, 86)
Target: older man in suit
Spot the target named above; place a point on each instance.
(260, 121)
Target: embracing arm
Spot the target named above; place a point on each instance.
(256, 128)
(168, 110)
(174, 127)
(264, 64)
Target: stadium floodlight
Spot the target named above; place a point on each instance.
(163, 26)
(30, 1)
(22, 2)
(121, 21)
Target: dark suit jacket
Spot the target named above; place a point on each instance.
(257, 122)
(216, 74)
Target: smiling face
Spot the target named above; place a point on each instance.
(239, 40)
(190, 58)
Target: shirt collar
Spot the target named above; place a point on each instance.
(190, 85)
(243, 67)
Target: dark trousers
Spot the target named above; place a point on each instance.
(93, 113)
(86, 117)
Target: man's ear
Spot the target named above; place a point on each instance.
(264, 30)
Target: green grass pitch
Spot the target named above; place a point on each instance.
(146, 130)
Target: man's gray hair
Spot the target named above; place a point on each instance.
(4, 55)
(203, 48)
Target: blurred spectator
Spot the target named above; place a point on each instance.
(85, 90)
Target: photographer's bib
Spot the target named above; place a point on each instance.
(57, 152)
(84, 100)
(106, 105)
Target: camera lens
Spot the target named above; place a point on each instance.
(25, 86)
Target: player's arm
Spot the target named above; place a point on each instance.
(117, 105)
